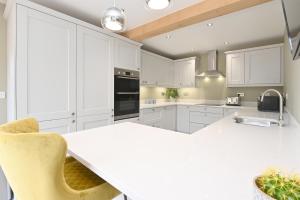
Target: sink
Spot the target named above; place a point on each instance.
(255, 121)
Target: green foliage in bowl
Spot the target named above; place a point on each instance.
(279, 186)
(172, 93)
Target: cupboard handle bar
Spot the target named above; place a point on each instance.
(126, 77)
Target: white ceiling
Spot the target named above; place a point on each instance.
(91, 10)
(258, 25)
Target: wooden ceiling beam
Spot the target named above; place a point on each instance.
(205, 10)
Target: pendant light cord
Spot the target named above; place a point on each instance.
(114, 3)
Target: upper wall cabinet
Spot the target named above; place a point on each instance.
(127, 55)
(164, 72)
(156, 70)
(184, 72)
(262, 66)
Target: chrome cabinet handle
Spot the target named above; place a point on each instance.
(73, 114)
(73, 121)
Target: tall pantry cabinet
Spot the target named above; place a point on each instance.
(60, 69)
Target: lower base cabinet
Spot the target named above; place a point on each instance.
(169, 118)
(196, 127)
(161, 117)
(60, 126)
(183, 119)
(89, 122)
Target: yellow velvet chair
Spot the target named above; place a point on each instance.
(36, 167)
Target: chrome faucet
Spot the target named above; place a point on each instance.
(280, 123)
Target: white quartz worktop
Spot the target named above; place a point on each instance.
(163, 104)
(217, 162)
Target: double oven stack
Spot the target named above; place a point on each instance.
(126, 94)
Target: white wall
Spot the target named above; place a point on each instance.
(292, 82)
(2, 64)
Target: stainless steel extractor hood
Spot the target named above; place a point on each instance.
(212, 69)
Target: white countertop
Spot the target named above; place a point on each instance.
(163, 104)
(217, 162)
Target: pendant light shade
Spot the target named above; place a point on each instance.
(158, 4)
(114, 19)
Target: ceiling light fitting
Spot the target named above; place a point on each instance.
(158, 4)
(209, 24)
(114, 19)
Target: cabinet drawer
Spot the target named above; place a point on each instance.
(198, 108)
(216, 110)
(152, 114)
(197, 117)
(196, 127)
(212, 117)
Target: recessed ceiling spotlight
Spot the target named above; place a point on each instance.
(209, 24)
(226, 43)
(158, 4)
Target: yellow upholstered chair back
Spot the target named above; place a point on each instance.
(33, 165)
(29, 125)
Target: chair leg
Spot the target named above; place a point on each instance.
(125, 197)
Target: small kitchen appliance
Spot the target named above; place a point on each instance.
(269, 104)
(233, 101)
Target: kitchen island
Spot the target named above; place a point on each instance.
(217, 162)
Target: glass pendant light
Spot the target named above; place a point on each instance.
(114, 19)
(158, 4)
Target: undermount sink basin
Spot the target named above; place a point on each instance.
(255, 121)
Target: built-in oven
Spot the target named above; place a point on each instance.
(127, 94)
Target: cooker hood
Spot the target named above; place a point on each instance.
(212, 69)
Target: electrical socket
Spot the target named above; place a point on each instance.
(2, 95)
(241, 94)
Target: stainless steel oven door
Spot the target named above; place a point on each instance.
(127, 105)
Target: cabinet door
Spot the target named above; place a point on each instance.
(61, 126)
(189, 78)
(89, 122)
(127, 56)
(149, 69)
(165, 73)
(235, 67)
(94, 73)
(179, 74)
(183, 119)
(264, 67)
(196, 127)
(169, 118)
(46, 66)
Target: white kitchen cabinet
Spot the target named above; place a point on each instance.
(202, 116)
(264, 67)
(196, 127)
(168, 120)
(89, 122)
(61, 126)
(184, 72)
(94, 73)
(165, 73)
(261, 66)
(151, 117)
(127, 55)
(46, 66)
(149, 69)
(183, 119)
(235, 69)
(156, 70)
